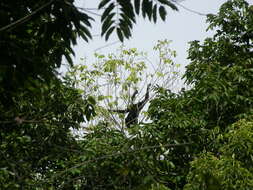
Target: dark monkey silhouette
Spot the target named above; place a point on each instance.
(134, 109)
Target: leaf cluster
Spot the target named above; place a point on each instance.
(120, 15)
(35, 135)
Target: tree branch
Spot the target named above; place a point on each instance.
(25, 18)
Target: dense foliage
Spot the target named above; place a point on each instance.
(115, 78)
(221, 75)
(200, 138)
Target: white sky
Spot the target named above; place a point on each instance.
(180, 27)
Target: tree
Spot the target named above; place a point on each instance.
(122, 81)
(220, 74)
(232, 169)
(35, 135)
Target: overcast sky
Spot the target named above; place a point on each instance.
(180, 27)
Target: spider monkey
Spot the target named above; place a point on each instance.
(134, 109)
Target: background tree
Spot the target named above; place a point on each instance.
(120, 80)
(232, 169)
(220, 73)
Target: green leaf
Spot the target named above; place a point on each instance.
(126, 31)
(69, 59)
(84, 37)
(86, 31)
(155, 13)
(137, 6)
(109, 33)
(85, 19)
(143, 10)
(107, 24)
(150, 9)
(107, 12)
(119, 33)
(91, 100)
(103, 3)
(162, 12)
(171, 5)
(126, 20)
(101, 97)
(147, 8)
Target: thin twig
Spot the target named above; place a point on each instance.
(188, 9)
(110, 44)
(88, 10)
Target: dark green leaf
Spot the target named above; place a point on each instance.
(144, 8)
(162, 12)
(167, 2)
(109, 33)
(137, 6)
(107, 24)
(84, 37)
(86, 31)
(125, 29)
(128, 10)
(91, 100)
(103, 3)
(107, 11)
(126, 20)
(119, 33)
(155, 13)
(149, 9)
(69, 59)
(86, 19)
